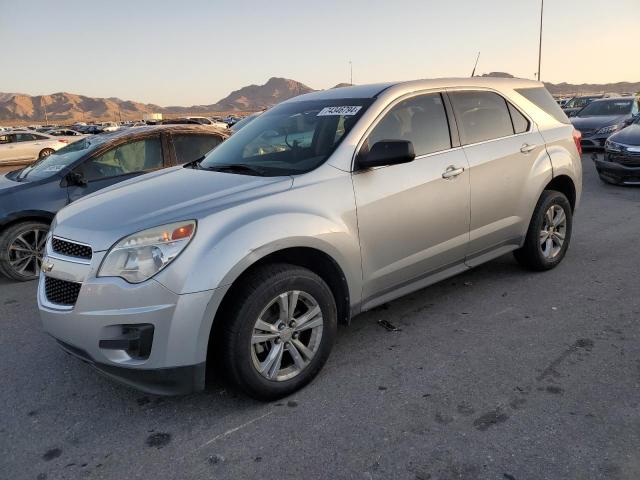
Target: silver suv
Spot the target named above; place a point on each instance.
(321, 208)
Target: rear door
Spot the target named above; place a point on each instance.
(507, 157)
(26, 147)
(413, 221)
(187, 147)
(120, 163)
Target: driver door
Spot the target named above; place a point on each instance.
(121, 163)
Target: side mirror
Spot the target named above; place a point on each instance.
(75, 178)
(386, 152)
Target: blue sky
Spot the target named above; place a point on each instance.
(197, 51)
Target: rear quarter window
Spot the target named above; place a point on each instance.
(541, 97)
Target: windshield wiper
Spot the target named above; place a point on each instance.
(239, 168)
(195, 164)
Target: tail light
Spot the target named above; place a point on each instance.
(577, 137)
(62, 140)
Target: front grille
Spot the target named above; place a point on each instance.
(61, 292)
(71, 249)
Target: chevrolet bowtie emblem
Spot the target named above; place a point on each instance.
(47, 266)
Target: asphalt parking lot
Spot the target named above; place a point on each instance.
(495, 374)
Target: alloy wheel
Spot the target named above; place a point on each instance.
(25, 252)
(286, 336)
(554, 231)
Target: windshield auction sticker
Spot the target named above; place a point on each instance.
(345, 110)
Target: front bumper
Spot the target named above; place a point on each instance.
(627, 172)
(107, 307)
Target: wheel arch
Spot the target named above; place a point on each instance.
(27, 216)
(564, 184)
(314, 259)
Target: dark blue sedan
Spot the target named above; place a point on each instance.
(30, 197)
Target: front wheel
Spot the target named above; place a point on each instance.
(549, 233)
(279, 331)
(21, 249)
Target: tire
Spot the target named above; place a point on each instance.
(538, 253)
(45, 152)
(21, 247)
(243, 355)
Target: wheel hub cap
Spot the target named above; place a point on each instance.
(286, 336)
(553, 232)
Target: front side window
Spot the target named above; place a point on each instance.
(192, 147)
(481, 116)
(607, 107)
(61, 159)
(139, 156)
(290, 139)
(422, 120)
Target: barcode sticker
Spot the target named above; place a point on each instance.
(345, 110)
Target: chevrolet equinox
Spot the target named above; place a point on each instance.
(323, 207)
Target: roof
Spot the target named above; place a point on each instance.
(373, 90)
(179, 128)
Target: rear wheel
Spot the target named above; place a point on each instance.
(549, 233)
(280, 329)
(21, 250)
(45, 152)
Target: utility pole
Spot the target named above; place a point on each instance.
(350, 73)
(46, 116)
(540, 44)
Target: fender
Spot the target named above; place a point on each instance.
(26, 215)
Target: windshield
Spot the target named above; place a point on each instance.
(607, 107)
(579, 102)
(52, 164)
(289, 139)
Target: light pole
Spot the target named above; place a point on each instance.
(350, 73)
(540, 44)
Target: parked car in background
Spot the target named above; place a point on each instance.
(66, 133)
(208, 121)
(109, 126)
(30, 197)
(602, 118)
(621, 162)
(327, 205)
(244, 122)
(27, 146)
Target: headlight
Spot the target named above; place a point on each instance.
(611, 146)
(140, 256)
(609, 129)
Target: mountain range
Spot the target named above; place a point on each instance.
(69, 107)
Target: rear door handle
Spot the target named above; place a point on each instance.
(452, 172)
(526, 148)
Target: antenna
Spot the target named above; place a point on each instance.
(473, 73)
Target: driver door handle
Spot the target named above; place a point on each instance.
(452, 172)
(526, 148)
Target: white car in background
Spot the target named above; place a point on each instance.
(109, 126)
(26, 146)
(208, 121)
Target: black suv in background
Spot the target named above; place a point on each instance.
(31, 196)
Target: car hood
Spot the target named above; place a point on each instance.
(627, 136)
(597, 121)
(156, 199)
(9, 186)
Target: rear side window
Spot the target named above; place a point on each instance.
(520, 123)
(543, 99)
(481, 116)
(24, 137)
(192, 147)
(138, 156)
(422, 120)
